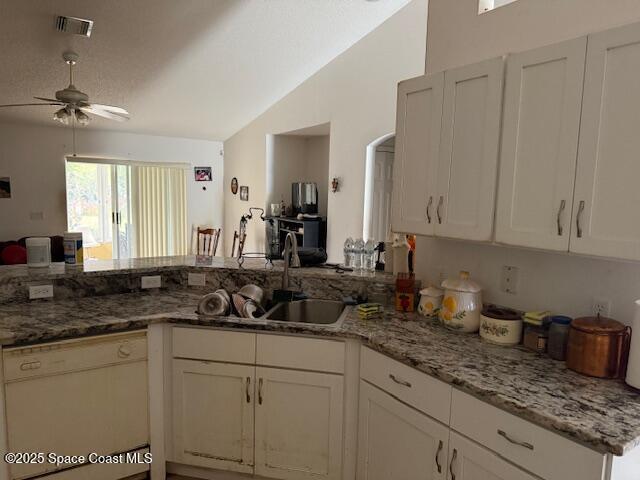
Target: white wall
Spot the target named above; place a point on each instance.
(457, 35)
(298, 158)
(358, 97)
(33, 156)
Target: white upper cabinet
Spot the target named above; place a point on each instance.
(543, 99)
(606, 218)
(419, 116)
(469, 144)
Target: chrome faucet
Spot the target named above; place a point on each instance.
(291, 258)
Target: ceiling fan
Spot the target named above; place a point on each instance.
(75, 104)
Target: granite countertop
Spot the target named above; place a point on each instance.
(602, 414)
(156, 265)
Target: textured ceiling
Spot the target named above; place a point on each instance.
(189, 68)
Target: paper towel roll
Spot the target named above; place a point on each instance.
(633, 367)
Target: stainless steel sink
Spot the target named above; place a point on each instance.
(317, 312)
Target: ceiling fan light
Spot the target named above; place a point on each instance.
(62, 116)
(82, 118)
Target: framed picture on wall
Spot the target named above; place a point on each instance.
(203, 174)
(234, 185)
(5, 187)
(244, 193)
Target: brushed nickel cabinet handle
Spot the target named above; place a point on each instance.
(260, 392)
(453, 459)
(563, 204)
(440, 445)
(504, 435)
(247, 390)
(429, 208)
(399, 381)
(440, 202)
(578, 216)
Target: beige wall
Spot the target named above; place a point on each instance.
(33, 156)
(457, 35)
(356, 93)
(564, 283)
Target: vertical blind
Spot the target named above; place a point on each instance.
(159, 210)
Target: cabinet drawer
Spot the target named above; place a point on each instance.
(407, 384)
(540, 451)
(215, 345)
(73, 355)
(300, 353)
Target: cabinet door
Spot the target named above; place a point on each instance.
(468, 163)
(213, 414)
(298, 424)
(606, 216)
(77, 413)
(543, 98)
(397, 442)
(470, 461)
(419, 117)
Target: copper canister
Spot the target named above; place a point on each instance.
(598, 347)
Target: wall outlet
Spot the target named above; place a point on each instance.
(40, 291)
(151, 281)
(196, 279)
(509, 279)
(601, 306)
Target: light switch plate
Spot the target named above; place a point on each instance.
(509, 279)
(40, 291)
(151, 281)
(196, 279)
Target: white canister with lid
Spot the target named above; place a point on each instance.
(462, 304)
(430, 301)
(38, 251)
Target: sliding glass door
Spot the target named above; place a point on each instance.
(127, 210)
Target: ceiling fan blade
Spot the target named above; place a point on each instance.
(105, 114)
(110, 108)
(30, 104)
(50, 100)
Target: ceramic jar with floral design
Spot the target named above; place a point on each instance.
(430, 301)
(462, 304)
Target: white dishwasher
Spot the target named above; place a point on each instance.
(78, 397)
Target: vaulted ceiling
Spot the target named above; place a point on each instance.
(189, 68)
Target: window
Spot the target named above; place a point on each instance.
(127, 209)
(488, 5)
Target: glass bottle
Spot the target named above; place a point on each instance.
(369, 256)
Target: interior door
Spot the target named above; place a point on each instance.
(419, 118)
(213, 414)
(543, 100)
(382, 193)
(606, 218)
(470, 461)
(298, 424)
(397, 442)
(468, 164)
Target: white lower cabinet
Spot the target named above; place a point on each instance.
(298, 425)
(470, 461)
(397, 442)
(213, 414)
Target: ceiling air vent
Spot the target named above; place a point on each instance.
(76, 26)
